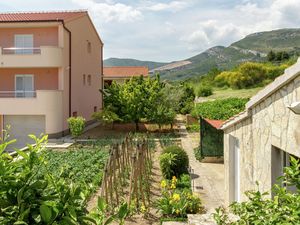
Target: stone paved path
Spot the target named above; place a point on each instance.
(208, 178)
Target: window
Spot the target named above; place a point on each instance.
(95, 108)
(24, 85)
(89, 46)
(89, 80)
(24, 44)
(279, 160)
(84, 79)
(74, 114)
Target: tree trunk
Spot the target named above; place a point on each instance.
(136, 125)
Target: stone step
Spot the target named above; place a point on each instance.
(201, 219)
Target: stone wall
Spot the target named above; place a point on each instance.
(270, 123)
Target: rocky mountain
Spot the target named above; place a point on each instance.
(132, 62)
(253, 47)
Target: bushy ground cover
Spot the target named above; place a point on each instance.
(221, 109)
(82, 164)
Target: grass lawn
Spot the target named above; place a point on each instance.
(228, 93)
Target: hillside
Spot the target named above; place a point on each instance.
(132, 62)
(253, 47)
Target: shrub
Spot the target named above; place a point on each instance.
(167, 162)
(204, 91)
(179, 165)
(184, 182)
(76, 125)
(105, 117)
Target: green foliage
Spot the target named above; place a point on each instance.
(197, 153)
(99, 214)
(106, 116)
(186, 102)
(28, 197)
(249, 75)
(76, 125)
(177, 202)
(193, 128)
(221, 109)
(178, 162)
(82, 165)
(278, 56)
(167, 162)
(204, 91)
(184, 182)
(137, 99)
(283, 208)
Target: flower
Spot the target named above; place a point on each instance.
(173, 186)
(143, 208)
(163, 184)
(176, 197)
(174, 179)
(177, 211)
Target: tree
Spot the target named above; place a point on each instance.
(133, 100)
(271, 56)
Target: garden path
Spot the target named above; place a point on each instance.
(207, 178)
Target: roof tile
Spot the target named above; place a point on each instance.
(125, 71)
(39, 16)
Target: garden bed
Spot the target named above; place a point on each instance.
(82, 164)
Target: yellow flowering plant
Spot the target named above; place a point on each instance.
(177, 202)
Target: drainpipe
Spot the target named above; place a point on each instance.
(102, 79)
(70, 68)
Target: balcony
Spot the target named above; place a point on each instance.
(41, 102)
(45, 56)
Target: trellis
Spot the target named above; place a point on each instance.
(128, 170)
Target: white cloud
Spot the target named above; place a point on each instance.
(109, 11)
(222, 27)
(173, 6)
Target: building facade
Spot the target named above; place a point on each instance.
(258, 143)
(50, 69)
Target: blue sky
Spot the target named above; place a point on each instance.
(172, 29)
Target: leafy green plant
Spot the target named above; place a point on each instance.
(102, 217)
(221, 109)
(184, 182)
(167, 162)
(197, 153)
(76, 125)
(283, 208)
(177, 203)
(28, 197)
(106, 117)
(193, 128)
(178, 162)
(204, 91)
(81, 164)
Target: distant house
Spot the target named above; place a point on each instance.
(258, 142)
(120, 74)
(50, 69)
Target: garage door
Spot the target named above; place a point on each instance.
(21, 126)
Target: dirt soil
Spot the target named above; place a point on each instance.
(122, 129)
(152, 217)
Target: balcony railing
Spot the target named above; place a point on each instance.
(42, 57)
(21, 51)
(17, 94)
